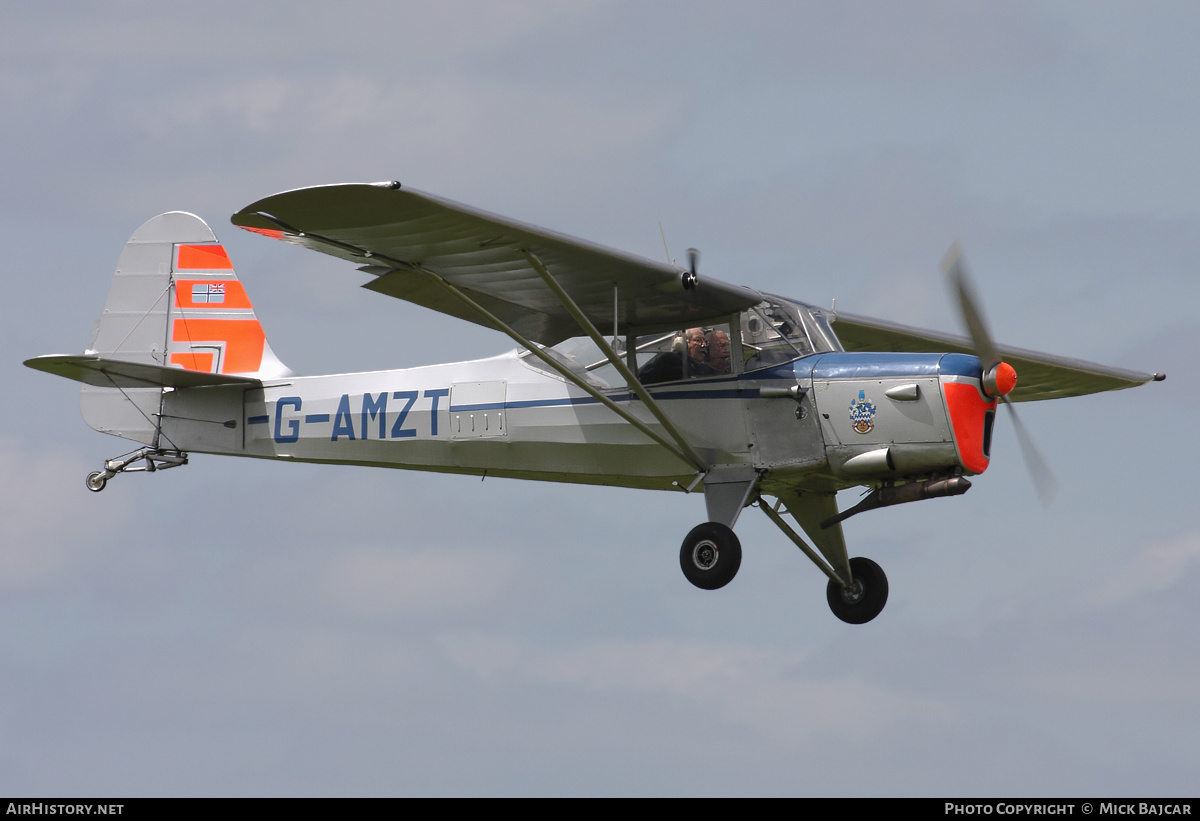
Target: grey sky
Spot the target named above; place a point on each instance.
(240, 627)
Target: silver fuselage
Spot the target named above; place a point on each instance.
(503, 416)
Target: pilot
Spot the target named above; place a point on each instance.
(697, 354)
(718, 351)
(676, 364)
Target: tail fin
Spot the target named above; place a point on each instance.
(175, 305)
(175, 300)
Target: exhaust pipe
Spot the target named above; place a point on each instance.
(899, 494)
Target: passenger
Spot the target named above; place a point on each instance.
(697, 353)
(718, 352)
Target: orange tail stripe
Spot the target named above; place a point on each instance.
(203, 258)
(244, 340)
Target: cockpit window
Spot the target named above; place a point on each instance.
(691, 353)
(773, 332)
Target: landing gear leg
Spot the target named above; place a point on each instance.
(710, 556)
(144, 459)
(863, 599)
(857, 589)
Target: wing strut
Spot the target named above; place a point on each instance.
(680, 448)
(500, 325)
(634, 385)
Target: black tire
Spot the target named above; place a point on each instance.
(867, 601)
(96, 481)
(710, 556)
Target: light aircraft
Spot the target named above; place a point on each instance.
(630, 373)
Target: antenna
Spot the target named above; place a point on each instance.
(664, 239)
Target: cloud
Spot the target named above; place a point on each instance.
(373, 582)
(423, 113)
(255, 105)
(47, 520)
(772, 692)
(1157, 566)
(483, 654)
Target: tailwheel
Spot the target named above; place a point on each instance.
(710, 556)
(864, 599)
(143, 459)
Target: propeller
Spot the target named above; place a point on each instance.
(691, 277)
(999, 378)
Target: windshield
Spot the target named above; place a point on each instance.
(776, 331)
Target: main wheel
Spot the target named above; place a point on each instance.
(710, 556)
(96, 481)
(865, 598)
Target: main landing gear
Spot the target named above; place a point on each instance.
(857, 590)
(866, 595)
(147, 459)
(710, 556)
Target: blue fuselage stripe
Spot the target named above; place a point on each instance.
(481, 407)
(836, 365)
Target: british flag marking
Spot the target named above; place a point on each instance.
(211, 292)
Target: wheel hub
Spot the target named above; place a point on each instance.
(705, 555)
(854, 593)
(710, 556)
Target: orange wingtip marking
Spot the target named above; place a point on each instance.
(273, 233)
(244, 340)
(227, 293)
(203, 258)
(193, 361)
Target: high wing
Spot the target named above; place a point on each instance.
(410, 240)
(434, 252)
(1039, 375)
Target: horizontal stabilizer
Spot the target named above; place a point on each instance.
(113, 373)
